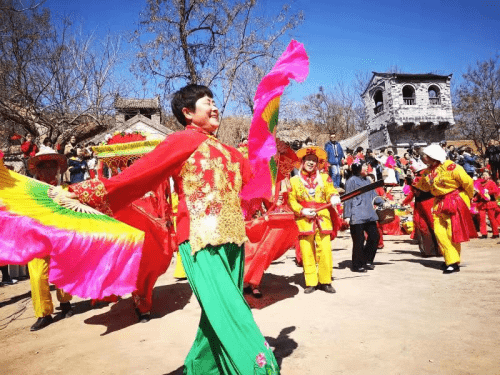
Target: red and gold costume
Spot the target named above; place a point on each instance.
(314, 190)
(422, 219)
(452, 189)
(207, 174)
(486, 204)
(208, 177)
(280, 233)
(203, 191)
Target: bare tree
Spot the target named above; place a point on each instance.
(477, 109)
(206, 41)
(54, 80)
(335, 110)
(246, 82)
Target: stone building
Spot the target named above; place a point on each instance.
(142, 115)
(407, 108)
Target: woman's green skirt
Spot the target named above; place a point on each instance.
(228, 340)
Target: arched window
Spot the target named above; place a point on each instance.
(409, 95)
(434, 95)
(378, 98)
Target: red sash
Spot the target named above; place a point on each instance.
(462, 226)
(334, 216)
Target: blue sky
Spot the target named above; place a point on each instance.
(343, 37)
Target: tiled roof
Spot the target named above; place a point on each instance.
(360, 139)
(122, 103)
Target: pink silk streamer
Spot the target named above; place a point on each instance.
(293, 64)
(79, 264)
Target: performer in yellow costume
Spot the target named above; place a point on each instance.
(453, 189)
(46, 166)
(310, 191)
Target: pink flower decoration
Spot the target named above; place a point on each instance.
(261, 360)
(266, 344)
(1, 155)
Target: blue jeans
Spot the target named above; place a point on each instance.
(335, 174)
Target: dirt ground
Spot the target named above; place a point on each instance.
(405, 317)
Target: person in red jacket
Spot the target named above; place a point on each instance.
(486, 193)
(29, 149)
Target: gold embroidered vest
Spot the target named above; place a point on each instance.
(211, 182)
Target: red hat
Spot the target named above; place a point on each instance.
(44, 155)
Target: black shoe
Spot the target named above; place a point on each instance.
(484, 236)
(327, 288)
(358, 269)
(495, 236)
(309, 289)
(66, 310)
(42, 323)
(369, 266)
(256, 292)
(143, 317)
(452, 268)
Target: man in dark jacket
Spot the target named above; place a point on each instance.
(335, 159)
(493, 155)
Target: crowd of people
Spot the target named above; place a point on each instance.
(81, 160)
(306, 212)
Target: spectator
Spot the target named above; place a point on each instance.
(6, 279)
(91, 160)
(70, 146)
(359, 153)
(493, 155)
(469, 162)
(335, 159)
(77, 166)
(382, 156)
(29, 149)
(451, 154)
(46, 146)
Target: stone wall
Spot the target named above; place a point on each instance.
(399, 122)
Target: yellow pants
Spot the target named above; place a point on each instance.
(40, 289)
(179, 272)
(449, 249)
(317, 260)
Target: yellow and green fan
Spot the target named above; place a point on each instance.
(91, 255)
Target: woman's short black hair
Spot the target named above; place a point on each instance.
(356, 168)
(359, 149)
(187, 97)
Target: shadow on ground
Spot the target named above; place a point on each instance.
(348, 264)
(283, 347)
(409, 252)
(275, 288)
(166, 299)
(435, 264)
(16, 299)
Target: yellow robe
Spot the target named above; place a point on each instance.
(314, 234)
(322, 195)
(444, 179)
